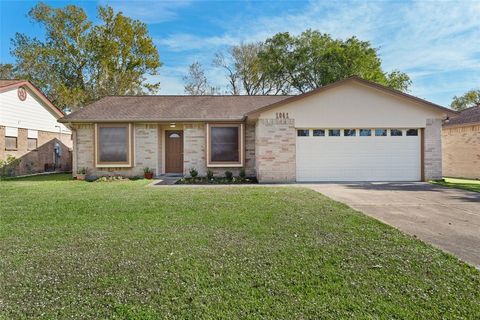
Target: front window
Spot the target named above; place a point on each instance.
(11, 137)
(10, 143)
(113, 145)
(32, 143)
(225, 145)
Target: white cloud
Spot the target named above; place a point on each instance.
(148, 11)
(186, 42)
(437, 43)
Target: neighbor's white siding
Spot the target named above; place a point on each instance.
(28, 114)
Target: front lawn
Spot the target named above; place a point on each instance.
(465, 184)
(73, 249)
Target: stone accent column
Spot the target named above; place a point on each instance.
(250, 128)
(146, 148)
(275, 150)
(194, 148)
(84, 146)
(433, 149)
(2, 143)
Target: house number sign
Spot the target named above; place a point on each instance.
(22, 93)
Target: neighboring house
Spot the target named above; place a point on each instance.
(351, 130)
(29, 129)
(461, 144)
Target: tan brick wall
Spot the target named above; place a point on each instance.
(2, 143)
(34, 161)
(194, 148)
(250, 128)
(461, 152)
(145, 144)
(275, 150)
(433, 149)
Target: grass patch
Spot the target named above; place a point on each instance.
(72, 249)
(41, 177)
(465, 184)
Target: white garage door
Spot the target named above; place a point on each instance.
(358, 155)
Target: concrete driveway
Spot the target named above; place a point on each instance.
(446, 218)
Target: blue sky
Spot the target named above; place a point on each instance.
(436, 43)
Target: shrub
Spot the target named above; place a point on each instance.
(228, 175)
(242, 175)
(8, 166)
(209, 174)
(193, 173)
(147, 170)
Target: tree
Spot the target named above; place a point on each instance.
(469, 99)
(312, 60)
(78, 62)
(7, 71)
(232, 75)
(196, 82)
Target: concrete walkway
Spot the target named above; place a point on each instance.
(446, 218)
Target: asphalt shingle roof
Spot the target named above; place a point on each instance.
(7, 82)
(469, 115)
(170, 108)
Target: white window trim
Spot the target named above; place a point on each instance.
(11, 132)
(32, 134)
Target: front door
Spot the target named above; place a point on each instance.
(174, 151)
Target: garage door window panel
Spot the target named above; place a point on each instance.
(365, 132)
(396, 132)
(380, 132)
(319, 133)
(334, 133)
(303, 132)
(350, 132)
(412, 132)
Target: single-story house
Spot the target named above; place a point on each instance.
(29, 130)
(351, 130)
(461, 144)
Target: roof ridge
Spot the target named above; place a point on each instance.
(196, 95)
(472, 107)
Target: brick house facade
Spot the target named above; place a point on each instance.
(29, 130)
(461, 145)
(270, 129)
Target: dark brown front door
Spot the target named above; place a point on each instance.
(174, 151)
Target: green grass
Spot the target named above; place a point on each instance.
(41, 177)
(72, 249)
(465, 184)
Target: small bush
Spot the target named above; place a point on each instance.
(111, 179)
(242, 175)
(228, 175)
(147, 170)
(193, 173)
(209, 174)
